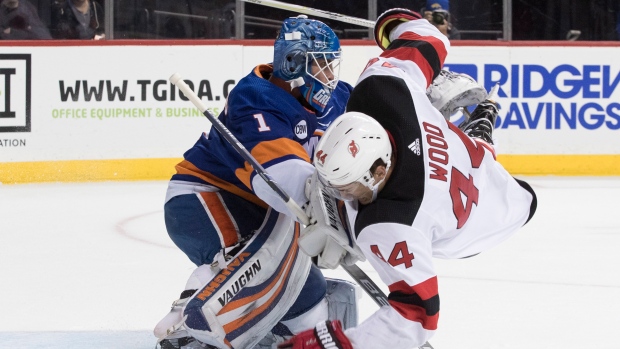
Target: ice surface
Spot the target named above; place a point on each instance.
(89, 265)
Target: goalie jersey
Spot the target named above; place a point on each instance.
(447, 196)
(278, 131)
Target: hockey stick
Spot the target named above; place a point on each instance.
(189, 93)
(314, 12)
(356, 273)
(353, 270)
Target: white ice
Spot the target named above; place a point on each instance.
(90, 265)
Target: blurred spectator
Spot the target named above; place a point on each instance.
(438, 13)
(77, 19)
(260, 19)
(19, 21)
(618, 24)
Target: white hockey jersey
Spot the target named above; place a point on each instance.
(447, 196)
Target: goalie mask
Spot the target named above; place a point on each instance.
(307, 55)
(347, 151)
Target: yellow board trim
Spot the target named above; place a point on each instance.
(163, 168)
(87, 170)
(561, 165)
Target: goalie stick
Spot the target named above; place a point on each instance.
(354, 271)
(314, 12)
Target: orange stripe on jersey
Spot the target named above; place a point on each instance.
(263, 69)
(232, 326)
(221, 217)
(187, 168)
(266, 151)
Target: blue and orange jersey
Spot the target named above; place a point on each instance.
(269, 122)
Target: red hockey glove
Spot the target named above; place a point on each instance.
(326, 334)
(388, 20)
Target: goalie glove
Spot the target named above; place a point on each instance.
(327, 334)
(328, 235)
(481, 122)
(388, 20)
(450, 91)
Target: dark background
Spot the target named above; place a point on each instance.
(597, 20)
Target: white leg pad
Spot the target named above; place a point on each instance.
(242, 303)
(173, 320)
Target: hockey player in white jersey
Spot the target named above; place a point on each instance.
(415, 186)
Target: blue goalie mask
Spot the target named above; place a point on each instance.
(307, 54)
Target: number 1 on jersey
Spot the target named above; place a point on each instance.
(262, 125)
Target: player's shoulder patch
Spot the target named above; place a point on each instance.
(301, 130)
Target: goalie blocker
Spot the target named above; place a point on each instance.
(328, 236)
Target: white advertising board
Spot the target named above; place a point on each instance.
(66, 103)
(554, 100)
(111, 102)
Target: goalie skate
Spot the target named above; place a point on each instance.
(451, 91)
(181, 340)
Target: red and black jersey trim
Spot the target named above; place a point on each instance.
(427, 52)
(419, 303)
(406, 50)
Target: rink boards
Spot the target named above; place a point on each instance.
(81, 111)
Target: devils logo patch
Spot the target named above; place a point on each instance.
(354, 148)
